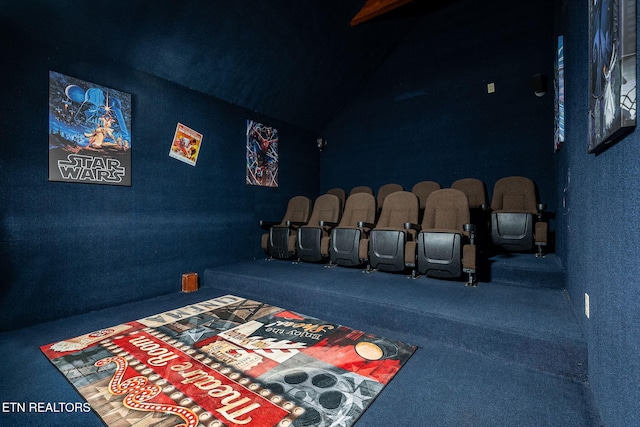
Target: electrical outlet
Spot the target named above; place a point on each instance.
(491, 88)
(587, 310)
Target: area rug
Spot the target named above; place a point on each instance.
(229, 361)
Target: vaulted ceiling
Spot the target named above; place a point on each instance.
(298, 61)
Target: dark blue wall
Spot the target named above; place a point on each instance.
(268, 56)
(598, 236)
(426, 114)
(70, 248)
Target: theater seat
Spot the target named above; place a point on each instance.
(475, 191)
(340, 193)
(479, 210)
(387, 240)
(312, 244)
(347, 247)
(514, 213)
(361, 189)
(445, 246)
(280, 241)
(384, 191)
(422, 190)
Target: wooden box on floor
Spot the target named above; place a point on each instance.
(190, 282)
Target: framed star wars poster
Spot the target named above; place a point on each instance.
(262, 155)
(89, 132)
(186, 145)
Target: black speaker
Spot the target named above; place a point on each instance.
(539, 84)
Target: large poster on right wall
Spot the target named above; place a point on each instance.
(612, 72)
(262, 155)
(558, 134)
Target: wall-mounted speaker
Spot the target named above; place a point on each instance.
(539, 84)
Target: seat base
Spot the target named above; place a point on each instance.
(344, 249)
(440, 254)
(386, 250)
(512, 231)
(280, 243)
(309, 244)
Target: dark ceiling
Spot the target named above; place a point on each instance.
(298, 61)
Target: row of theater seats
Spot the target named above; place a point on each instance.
(429, 230)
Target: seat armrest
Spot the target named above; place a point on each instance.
(469, 262)
(471, 229)
(328, 224)
(411, 226)
(363, 224)
(295, 223)
(265, 225)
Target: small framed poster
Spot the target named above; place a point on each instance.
(186, 145)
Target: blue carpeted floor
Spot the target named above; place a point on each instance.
(495, 355)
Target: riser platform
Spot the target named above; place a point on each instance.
(529, 326)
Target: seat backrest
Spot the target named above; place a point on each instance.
(298, 210)
(340, 193)
(385, 190)
(359, 207)
(446, 209)
(422, 190)
(361, 189)
(474, 189)
(514, 194)
(325, 208)
(399, 207)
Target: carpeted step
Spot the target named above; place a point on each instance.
(439, 386)
(525, 270)
(532, 327)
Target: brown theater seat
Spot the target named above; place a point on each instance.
(313, 238)
(280, 242)
(445, 243)
(514, 212)
(385, 190)
(422, 190)
(387, 240)
(347, 245)
(361, 189)
(340, 193)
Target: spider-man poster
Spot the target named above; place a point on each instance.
(89, 132)
(262, 155)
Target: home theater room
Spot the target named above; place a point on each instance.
(319, 213)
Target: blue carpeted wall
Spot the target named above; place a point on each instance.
(427, 115)
(598, 235)
(71, 248)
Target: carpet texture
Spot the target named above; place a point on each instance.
(533, 326)
(226, 361)
(462, 374)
